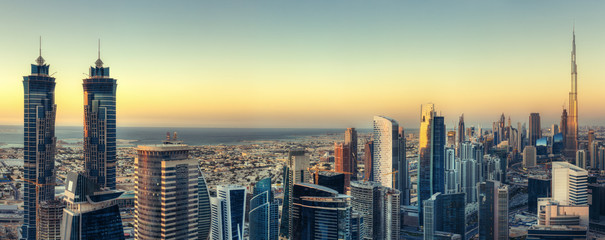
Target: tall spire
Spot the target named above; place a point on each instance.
(40, 60)
(99, 63)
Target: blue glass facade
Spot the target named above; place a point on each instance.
(284, 226)
(104, 223)
(431, 164)
(542, 146)
(320, 213)
(558, 144)
(91, 213)
(100, 126)
(264, 215)
(451, 215)
(204, 213)
(536, 188)
(228, 210)
(39, 143)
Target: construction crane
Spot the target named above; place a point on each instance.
(394, 175)
(317, 170)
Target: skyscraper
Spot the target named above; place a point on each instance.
(342, 161)
(228, 213)
(386, 150)
(39, 143)
(431, 156)
(320, 213)
(445, 213)
(50, 214)
(402, 182)
(537, 187)
(529, 157)
(294, 172)
(535, 131)
(569, 184)
(571, 143)
(351, 141)
(493, 210)
(91, 212)
(264, 213)
(204, 210)
(368, 160)
(379, 206)
(581, 158)
(100, 126)
(461, 129)
(166, 188)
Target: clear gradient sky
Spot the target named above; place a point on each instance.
(309, 63)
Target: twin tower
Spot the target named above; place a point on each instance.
(39, 141)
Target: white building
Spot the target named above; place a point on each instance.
(386, 134)
(569, 184)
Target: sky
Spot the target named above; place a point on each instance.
(309, 63)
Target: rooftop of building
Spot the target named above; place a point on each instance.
(163, 147)
(569, 166)
(558, 228)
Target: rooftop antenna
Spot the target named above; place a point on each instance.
(99, 63)
(40, 60)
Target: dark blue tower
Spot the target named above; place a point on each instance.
(100, 126)
(39, 142)
(264, 212)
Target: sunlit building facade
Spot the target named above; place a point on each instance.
(431, 156)
(39, 143)
(100, 126)
(166, 188)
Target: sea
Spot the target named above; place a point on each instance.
(12, 135)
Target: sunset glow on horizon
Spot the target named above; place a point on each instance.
(310, 64)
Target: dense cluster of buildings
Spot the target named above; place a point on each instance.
(459, 190)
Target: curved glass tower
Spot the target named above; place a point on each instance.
(264, 213)
(39, 142)
(100, 126)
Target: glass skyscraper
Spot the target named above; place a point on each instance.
(431, 156)
(204, 212)
(228, 213)
(39, 142)
(264, 213)
(445, 213)
(91, 212)
(294, 172)
(320, 213)
(100, 126)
